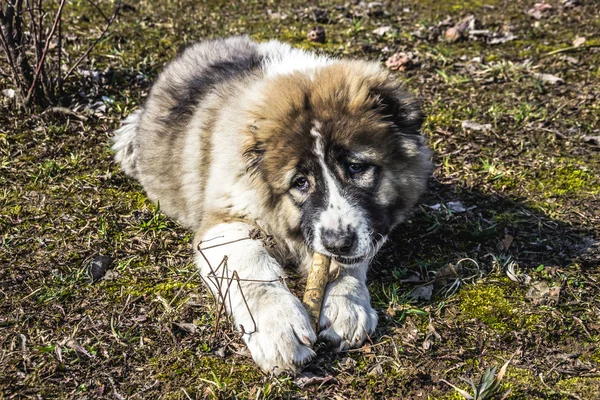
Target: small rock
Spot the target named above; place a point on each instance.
(452, 34)
(99, 266)
(460, 30)
(316, 35)
(10, 93)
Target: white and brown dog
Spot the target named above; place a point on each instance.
(322, 154)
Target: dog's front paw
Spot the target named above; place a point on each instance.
(283, 337)
(347, 318)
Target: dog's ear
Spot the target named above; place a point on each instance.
(399, 107)
(254, 149)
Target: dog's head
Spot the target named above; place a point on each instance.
(339, 154)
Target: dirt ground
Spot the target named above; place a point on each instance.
(499, 262)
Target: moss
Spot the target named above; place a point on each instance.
(582, 387)
(520, 381)
(200, 370)
(136, 200)
(495, 305)
(454, 395)
(143, 288)
(568, 179)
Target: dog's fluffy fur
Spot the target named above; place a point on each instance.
(323, 154)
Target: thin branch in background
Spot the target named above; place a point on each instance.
(59, 85)
(91, 47)
(41, 61)
(27, 34)
(99, 10)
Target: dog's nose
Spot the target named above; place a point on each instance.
(338, 243)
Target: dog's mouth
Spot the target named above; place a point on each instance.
(348, 260)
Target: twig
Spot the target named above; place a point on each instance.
(221, 279)
(571, 49)
(45, 51)
(99, 10)
(65, 111)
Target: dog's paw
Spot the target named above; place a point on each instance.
(346, 320)
(283, 337)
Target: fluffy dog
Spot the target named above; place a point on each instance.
(321, 154)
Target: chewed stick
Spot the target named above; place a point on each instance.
(315, 288)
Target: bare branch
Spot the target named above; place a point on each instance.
(45, 51)
(93, 4)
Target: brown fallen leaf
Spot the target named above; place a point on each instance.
(554, 294)
(538, 10)
(538, 292)
(307, 379)
(506, 242)
(73, 344)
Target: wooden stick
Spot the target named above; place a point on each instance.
(315, 288)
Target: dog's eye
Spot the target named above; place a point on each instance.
(356, 168)
(301, 183)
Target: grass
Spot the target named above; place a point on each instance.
(529, 184)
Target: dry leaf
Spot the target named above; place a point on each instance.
(474, 126)
(506, 242)
(577, 42)
(185, 327)
(538, 10)
(376, 371)
(538, 292)
(382, 30)
(422, 292)
(548, 78)
(554, 294)
(595, 140)
(307, 379)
